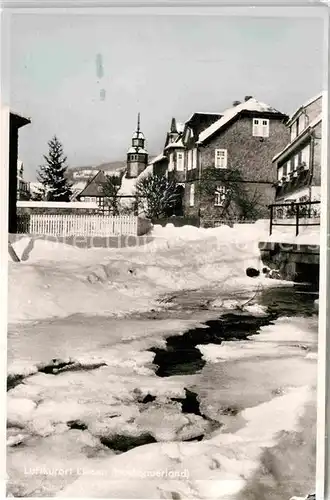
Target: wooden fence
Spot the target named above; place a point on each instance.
(82, 225)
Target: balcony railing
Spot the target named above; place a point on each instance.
(295, 214)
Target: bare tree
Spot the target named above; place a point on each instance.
(110, 190)
(156, 195)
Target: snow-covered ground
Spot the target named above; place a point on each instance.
(68, 280)
(268, 380)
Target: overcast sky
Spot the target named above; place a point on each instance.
(85, 78)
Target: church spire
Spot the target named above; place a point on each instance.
(138, 123)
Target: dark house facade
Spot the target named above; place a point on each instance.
(243, 139)
(298, 164)
(15, 123)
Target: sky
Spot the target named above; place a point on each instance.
(85, 78)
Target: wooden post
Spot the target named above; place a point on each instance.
(271, 220)
(12, 253)
(297, 220)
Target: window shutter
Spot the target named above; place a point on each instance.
(180, 162)
(255, 128)
(220, 158)
(265, 128)
(192, 195)
(305, 155)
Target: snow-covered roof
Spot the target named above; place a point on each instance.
(312, 124)
(127, 186)
(180, 127)
(157, 158)
(137, 149)
(307, 103)
(145, 173)
(175, 144)
(138, 135)
(250, 105)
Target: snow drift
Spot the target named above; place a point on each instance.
(56, 280)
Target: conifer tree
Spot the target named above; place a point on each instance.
(52, 173)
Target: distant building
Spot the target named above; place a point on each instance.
(298, 164)
(23, 187)
(137, 155)
(94, 191)
(15, 123)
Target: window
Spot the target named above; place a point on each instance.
(280, 173)
(220, 196)
(171, 163)
(293, 131)
(285, 169)
(305, 155)
(220, 160)
(288, 167)
(296, 162)
(180, 162)
(189, 159)
(192, 195)
(194, 158)
(260, 127)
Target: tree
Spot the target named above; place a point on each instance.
(156, 195)
(52, 173)
(110, 191)
(237, 201)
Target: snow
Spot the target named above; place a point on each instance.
(127, 186)
(107, 399)
(157, 158)
(56, 204)
(137, 149)
(116, 281)
(216, 468)
(250, 105)
(279, 340)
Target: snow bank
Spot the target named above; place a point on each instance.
(215, 468)
(56, 280)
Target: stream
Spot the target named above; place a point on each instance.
(116, 384)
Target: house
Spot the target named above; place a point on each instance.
(94, 192)
(243, 140)
(23, 187)
(298, 164)
(15, 123)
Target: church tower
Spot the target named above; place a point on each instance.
(137, 156)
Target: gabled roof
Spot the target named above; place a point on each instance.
(292, 144)
(92, 188)
(176, 144)
(203, 113)
(158, 158)
(303, 106)
(137, 149)
(231, 113)
(19, 120)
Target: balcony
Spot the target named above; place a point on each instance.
(305, 213)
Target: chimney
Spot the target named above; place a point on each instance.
(247, 97)
(236, 103)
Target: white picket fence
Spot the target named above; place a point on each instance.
(82, 225)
